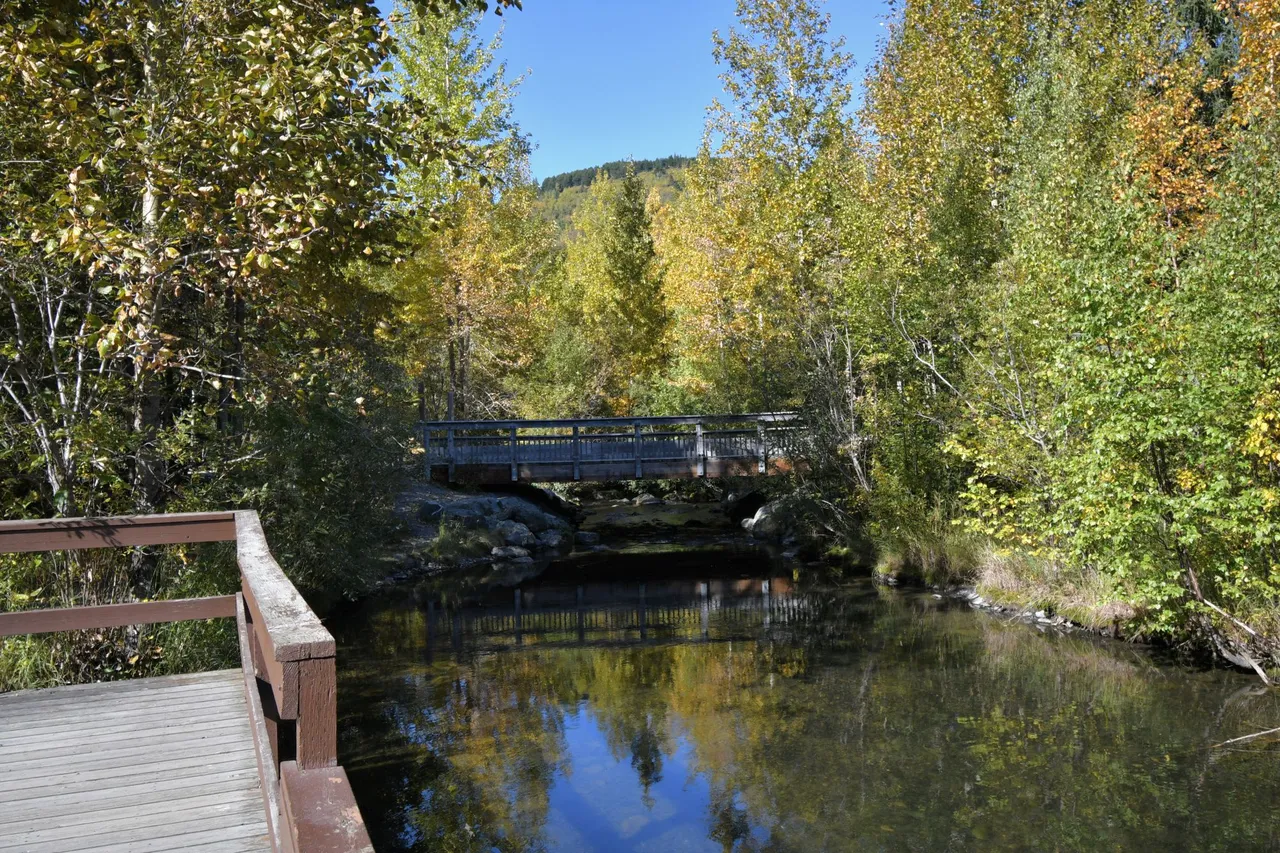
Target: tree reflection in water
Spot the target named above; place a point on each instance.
(802, 720)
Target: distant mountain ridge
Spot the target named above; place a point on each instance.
(614, 169)
(560, 195)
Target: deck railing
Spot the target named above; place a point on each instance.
(286, 654)
(575, 449)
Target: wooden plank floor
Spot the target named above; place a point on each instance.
(146, 765)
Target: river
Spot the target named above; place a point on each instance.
(712, 701)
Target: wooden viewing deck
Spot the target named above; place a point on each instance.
(236, 760)
(550, 451)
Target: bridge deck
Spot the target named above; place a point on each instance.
(146, 765)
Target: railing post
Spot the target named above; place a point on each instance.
(449, 450)
(637, 448)
(700, 448)
(576, 454)
(316, 728)
(760, 452)
(515, 473)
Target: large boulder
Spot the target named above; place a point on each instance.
(552, 539)
(773, 521)
(515, 509)
(515, 533)
(648, 500)
(464, 515)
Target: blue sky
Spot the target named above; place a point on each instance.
(611, 79)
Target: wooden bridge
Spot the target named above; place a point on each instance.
(550, 451)
(237, 760)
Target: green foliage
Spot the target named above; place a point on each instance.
(608, 333)
(184, 190)
(453, 541)
(443, 67)
(560, 196)
(1073, 309)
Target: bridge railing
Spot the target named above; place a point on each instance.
(609, 448)
(286, 655)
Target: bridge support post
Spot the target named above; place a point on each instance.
(760, 452)
(515, 472)
(576, 455)
(637, 446)
(449, 444)
(700, 448)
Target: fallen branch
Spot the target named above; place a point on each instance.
(1243, 738)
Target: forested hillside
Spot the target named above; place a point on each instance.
(614, 169)
(1026, 296)
(560, 196)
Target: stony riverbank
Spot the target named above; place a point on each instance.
(519, 530)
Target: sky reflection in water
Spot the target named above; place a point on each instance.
(808, 719)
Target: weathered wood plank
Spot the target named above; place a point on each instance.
(115, 615)
(144, 810)
(317, 732)
(194, 700)
(110, 691)
(55, 534)
(23, 707)
(322, 812)
(243, 845)
(20, 789)
(143, 819)
(264, 753)
(294, 631)
(87, 731)
(175, 836)
(132, 749)
(99, 798)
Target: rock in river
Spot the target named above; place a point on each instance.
(516, 509)
(552, 539)
(515, 533)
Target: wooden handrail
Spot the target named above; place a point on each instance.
(308, 798)
(293, 651)
(69, 534)
(116, 615)
(666, 420)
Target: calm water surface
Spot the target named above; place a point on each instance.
(716, 704)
